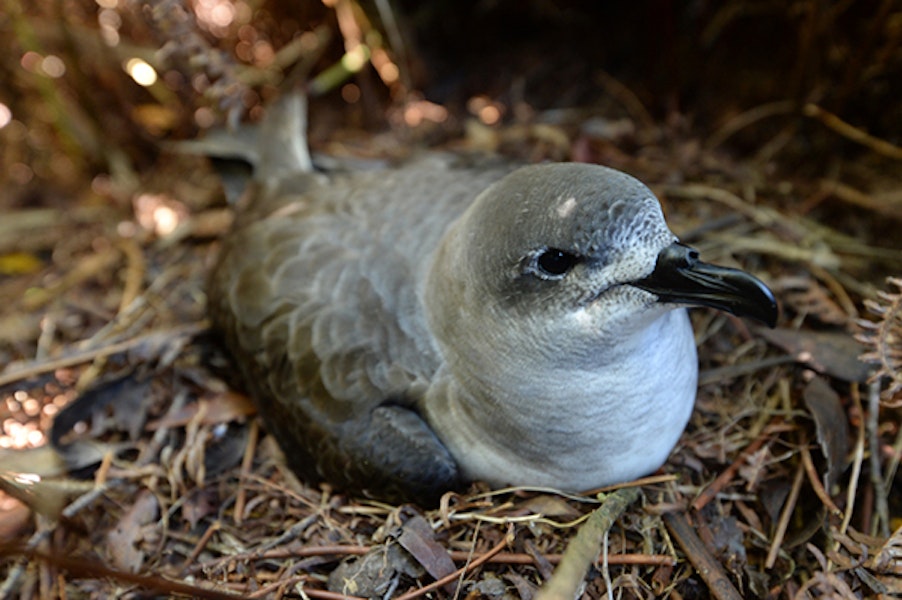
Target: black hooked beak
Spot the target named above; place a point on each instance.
(680, 277)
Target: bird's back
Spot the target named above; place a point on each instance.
(318, 294)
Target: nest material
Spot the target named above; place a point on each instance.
(164, 482)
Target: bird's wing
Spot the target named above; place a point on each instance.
(331, 342)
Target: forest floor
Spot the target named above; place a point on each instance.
(132, 466)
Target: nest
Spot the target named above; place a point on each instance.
(135, 466)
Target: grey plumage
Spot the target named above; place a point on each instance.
(401, 334)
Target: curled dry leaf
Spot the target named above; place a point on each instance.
(831, 427)
(375, 574)
(125, 540)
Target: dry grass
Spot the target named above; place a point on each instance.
(784, 485)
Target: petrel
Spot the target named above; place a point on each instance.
(406, 330)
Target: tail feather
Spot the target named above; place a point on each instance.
(282, 139)
(274, 148)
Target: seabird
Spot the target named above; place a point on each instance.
(406, 330)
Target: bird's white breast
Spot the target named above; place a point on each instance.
(582, 429)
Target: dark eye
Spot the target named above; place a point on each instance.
(555, 263)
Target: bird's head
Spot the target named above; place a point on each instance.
(560, 256)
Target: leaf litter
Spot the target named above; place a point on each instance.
(773, 491)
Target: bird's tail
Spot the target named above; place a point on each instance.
(282, 139)
(268, 151)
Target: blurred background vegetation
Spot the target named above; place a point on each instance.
(88, 88)
(793, 103)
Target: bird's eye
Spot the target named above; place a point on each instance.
(555, 263)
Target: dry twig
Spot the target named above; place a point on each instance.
(707, 566)
(584, 548)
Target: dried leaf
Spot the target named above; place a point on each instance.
(418, 538)
(833, 353)
(373, 574)
(490, 586)
(125, 540)
(727, 538)
(202, 503)
(831, 427)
